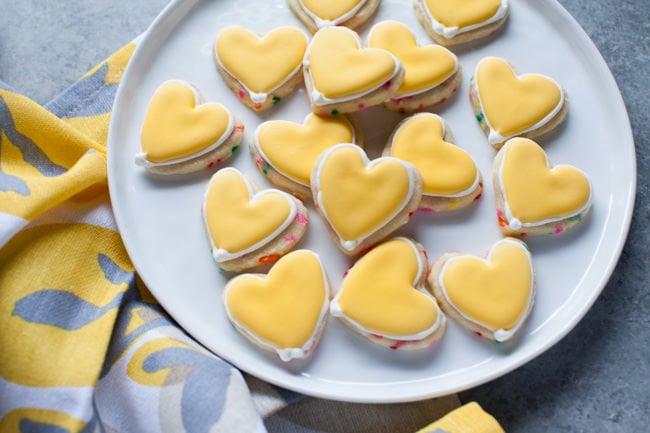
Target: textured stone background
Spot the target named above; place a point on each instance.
(598, 377)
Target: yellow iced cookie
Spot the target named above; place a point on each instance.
(533, 196)
(284, 311)
(451, 179)
(181, 134)
(316, 14)
(383, 297)
(432, 72)
(260, 70)
(507, 104)
(363, 201)
(248, 228)
(492, 295)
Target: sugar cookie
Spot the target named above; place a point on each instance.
(509, 105)
(260, 71)
(492, 295)
(432, 72)
(534, 197)
(384, 298)
(248, 228)
(454, 22)
(451, 179)
(316, 14)
(285, 151)
(285, 311)
(182, 134)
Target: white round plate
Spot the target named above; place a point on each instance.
(160, 222)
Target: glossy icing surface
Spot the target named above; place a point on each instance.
(240, 220)
(284, 309)
(452, 17)
(293, 148)
(536, 192)
(447, 170)
(379, 293)
(261, 64)
(178, 126)
(425, 66)
(331, 12)
(494, 292)
(340, 68)
(514, 104)
(359, 196)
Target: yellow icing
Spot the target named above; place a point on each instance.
(261, 64)
(493, 292)
(292, 148)
(425, 67)
(284, 308)
(535, 192)
(462, 13)
(332, 9)
(175, 127)
(514, 104)
(358, 199)
(379, 293)
(339, 67)
(446, 169)
(238, 220)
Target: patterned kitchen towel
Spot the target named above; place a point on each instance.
(84, 347)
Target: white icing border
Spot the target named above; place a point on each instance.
(426, 89)
(500, 335)
(285, 354)
(317, 97)
(221, 255)
(141, 157)
(259, 149)
(320, 23)
(444, 130)
(493, 136)
(350, 245)
(513, 222)
(336, 311)
(258, 98)
(451, 32)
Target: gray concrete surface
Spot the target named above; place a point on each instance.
(597, 379)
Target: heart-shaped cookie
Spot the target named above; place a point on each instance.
(383, 297)
(285, 151)
(260, 70)
(456, 21)
(491, 296)
(244, 225)
(450, 177)
(535, 197)
(316, 14)
(284, 311)
(508, 105)
(338, 69)
(362, 201)
(178, 126)
(425, 66)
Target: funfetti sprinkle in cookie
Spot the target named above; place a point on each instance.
(261, 71)
(248, 228)
(182, 134)
(451, 179)
(454, 22)
(491, 295)
(343, 77)
(509, 105)
(432, 72)
(285, 151)
(383, 297)
(534, 197)
(360, 200)
(316, 14)
(285, 311)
